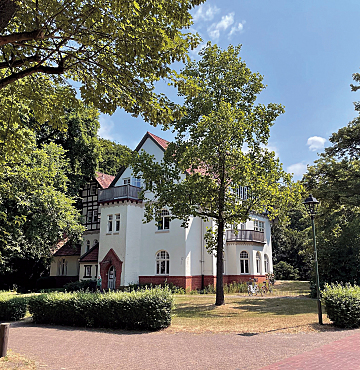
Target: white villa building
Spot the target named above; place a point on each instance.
(123, 250)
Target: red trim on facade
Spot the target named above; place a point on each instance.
(111, 259)
(194, 282)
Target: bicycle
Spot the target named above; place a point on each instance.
(253, 289)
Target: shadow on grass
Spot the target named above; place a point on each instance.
(198, 310)
(278, 306)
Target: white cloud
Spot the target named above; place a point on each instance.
(315, 143)
(224, 24)
(298, 169)
(106, 128)
(205, 12)
(237, 28)
(272, 148)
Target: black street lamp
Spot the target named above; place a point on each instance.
(311, 205)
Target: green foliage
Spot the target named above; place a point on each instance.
(342, 304)
(12, 308)
(113, 157)
(146, 309)
(291, 241)
(220, 120)
(35, 213)
(284, 271)
(83, 285)
(113, 51)
(334, 180)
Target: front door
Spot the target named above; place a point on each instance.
(111, 278)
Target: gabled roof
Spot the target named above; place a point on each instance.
(104, 180)
(91, 255)
(161, 143)
(68, 249)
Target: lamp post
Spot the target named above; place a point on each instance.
(311, 205)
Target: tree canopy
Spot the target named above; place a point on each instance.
(219, 147)
(110, 52)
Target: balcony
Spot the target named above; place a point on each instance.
(245, 236)
(119, 192)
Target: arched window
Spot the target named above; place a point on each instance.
(244, 262)
(162, 263)
(266, 264)
(62, 267)
(95, 241)
(258, 262)
(87, 245)
(164, 220)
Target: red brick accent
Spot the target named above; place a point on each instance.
(111, 259)
(194, 282)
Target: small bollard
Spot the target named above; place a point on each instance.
(4, 336)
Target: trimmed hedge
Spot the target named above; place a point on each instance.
(12, 308)
(146, 309)
(342, 304)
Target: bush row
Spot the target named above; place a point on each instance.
(146, 309)
(12, 308)
(342, 304)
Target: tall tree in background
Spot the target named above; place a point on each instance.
(221, 119)
(35, 213)
(114, 50)
(335, 182)
(79, 140)
(113, 156)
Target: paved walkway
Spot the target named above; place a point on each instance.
(54, 347)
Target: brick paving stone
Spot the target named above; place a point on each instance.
(58, 348)
(341, 354)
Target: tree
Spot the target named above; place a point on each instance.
(79, 140)
(114, 52)
(334, 180)
(113, 156)
(35, 213)
(218, 149)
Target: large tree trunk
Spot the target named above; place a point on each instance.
(219, 265)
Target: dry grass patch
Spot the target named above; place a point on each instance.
(292, 313)
(15, 361)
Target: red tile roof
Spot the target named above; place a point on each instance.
(91, 255)
(104, 180)
(68, 249)
(162, 142)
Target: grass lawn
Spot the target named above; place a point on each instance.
(16, 361)
(287, 309)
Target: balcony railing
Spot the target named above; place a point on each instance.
(245, 236)
(119, 192)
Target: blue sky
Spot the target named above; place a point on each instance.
(307, 52)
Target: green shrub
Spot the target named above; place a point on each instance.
(76, 286)
(12, 308)
(144, 309)
(342, 304)
(284, 271)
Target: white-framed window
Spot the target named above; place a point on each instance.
(258, 262)
(136, 182)
(95, 216)
(126, 181)
(164, 220)
(87, 245)
(95, 242)
(243, 226)
(117, 222)
(87, 273)
(244, 262)
(93, 190)
(162, 263)
(89, 216)
(110, 224)
(259, 225)
(266, 264)
(62, 267)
